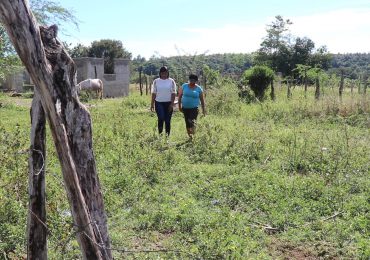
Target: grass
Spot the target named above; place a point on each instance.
(272, 180)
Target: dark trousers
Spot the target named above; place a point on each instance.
(164, 116)
(190, 115)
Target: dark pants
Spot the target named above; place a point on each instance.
(164, 116)
(190, 115)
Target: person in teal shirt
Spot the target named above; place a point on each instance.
(189, 98)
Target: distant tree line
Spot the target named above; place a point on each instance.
(356, 65)
(106, 48)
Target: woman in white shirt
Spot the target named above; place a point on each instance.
(163, 98)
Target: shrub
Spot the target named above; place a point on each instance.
(258, 78)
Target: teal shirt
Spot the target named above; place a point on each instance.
(191, 97)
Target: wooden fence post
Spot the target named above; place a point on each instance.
(36, 227)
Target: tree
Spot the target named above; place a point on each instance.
(275, 50)
(302, 50)
(315, 75)
(321, 58)
(276, 36)
(302, 72)
(258, 78)
(54, 75)
(9, 61)
(79, 51)
(282, 52)
(109, 50)
(44, 12)
(212, 77)
(47, 12)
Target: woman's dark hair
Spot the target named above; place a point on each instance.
(163, 69)
(193, 77)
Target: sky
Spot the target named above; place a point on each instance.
(188, 27)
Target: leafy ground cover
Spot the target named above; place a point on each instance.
(274, 180)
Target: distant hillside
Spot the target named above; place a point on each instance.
(356, 64)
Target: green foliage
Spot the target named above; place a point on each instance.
(282, 52)
(106, 48)
(13, 188)
(223, 99)
(51, 12)
(355, 64)
(9, 61)
(230, 64)
(78, 51)
(46, 12)
(212, 76)
(258, 78)
(265, 180)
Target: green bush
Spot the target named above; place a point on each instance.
(258, 78)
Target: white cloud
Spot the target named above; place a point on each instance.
(229, 38)
(342, 31)
(226, 39)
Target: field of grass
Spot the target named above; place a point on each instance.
(274, 180)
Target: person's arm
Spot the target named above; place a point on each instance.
(179, 99)
(173, 95)
(154, 95)
(203, 103)
(152, 101)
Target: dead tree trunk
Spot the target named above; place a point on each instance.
(53, 73)
(36, 227)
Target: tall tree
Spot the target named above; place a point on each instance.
(302, 50)
(282, 52)
(275, 49)
(79, 51)
(9, 61)
(51, 12)
(45, 12)
(321, 58)
(109, 50)
(276, 35)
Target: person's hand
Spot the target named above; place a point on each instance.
(170, 108)
(152, 108)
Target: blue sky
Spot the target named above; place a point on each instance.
(173, 27)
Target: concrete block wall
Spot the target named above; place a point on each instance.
(115, 85)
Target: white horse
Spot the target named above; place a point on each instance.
(92, 85)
